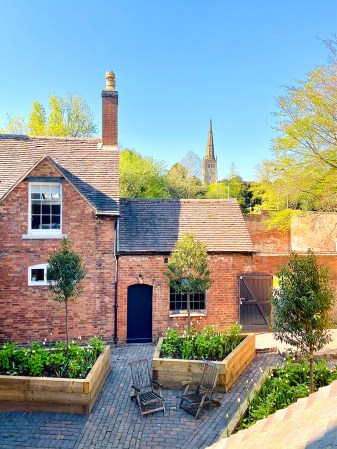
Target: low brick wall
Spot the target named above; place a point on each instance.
(43, 394)
(172, 372)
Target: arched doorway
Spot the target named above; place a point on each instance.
(255, 307)
(139, 315)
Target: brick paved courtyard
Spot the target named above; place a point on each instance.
(115, 421)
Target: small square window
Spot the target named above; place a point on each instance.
(37, 275)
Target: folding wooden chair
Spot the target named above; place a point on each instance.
(147, 398)
(193, 402)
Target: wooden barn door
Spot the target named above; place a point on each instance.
(255, 307)
(139, 319)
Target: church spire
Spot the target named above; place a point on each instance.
(209, 164)
(210, 144)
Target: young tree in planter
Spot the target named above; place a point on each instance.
(188, 270)
(64, 272)
(302, 306)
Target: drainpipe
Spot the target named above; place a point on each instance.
(115, 338)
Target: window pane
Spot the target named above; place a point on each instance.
(55, 192)
(56, 222)
(35, 189)
(36, 207)
(35, 196)
(46, 208)
(36, 222)
(37, 275)
(45, 192)
(45, 220)
(56, 209)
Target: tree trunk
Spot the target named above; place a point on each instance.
(188, 314)
(67, 333)
(312, 380)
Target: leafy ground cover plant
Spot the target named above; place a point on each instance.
(284, 386)
(37, 360)
(210, 344)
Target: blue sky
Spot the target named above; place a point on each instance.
(177, 63)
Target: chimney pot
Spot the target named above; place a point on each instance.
(110, 80)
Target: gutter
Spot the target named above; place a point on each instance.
(115, 338)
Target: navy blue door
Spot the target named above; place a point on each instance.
(139, 320)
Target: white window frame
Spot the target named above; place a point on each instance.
(40, 266)
(43, 233)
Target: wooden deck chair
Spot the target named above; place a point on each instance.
(147, 398)
(193, 402)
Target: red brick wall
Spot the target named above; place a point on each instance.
(222, 303)
(265, 241)
(27, 313)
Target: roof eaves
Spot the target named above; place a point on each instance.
(22, 178)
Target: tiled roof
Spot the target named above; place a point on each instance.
(92, 171)
(155, 225)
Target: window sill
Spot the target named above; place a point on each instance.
(41, 236)
(185, 314)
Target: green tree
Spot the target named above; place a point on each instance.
(141, 177)
(183, 184)
(302, 306)
(64, 273)
(187, 269)
(15, 125)
(68, 116)
(303, 172)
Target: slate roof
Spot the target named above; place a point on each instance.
(155, 225)
(93, 172)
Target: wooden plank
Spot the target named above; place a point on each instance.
(14, 382)
(61, 385)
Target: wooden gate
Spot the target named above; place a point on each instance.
(139, 320)
(255, 307)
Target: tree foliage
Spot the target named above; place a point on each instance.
(187, 269)
(302, 306)
(141, 177)
(64, 273)
(303, 172)
(181, 183)
(69, 116)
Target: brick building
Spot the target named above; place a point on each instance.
(54, 187)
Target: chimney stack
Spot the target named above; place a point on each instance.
(110, 113)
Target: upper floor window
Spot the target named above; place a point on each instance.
(45, 207)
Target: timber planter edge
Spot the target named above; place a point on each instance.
(172, 372)
(60, 395)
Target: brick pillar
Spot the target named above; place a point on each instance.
(110, 112)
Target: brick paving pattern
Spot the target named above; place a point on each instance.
(115, 422)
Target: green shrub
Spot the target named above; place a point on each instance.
(36, 360)
(210, 344)
(284, 386)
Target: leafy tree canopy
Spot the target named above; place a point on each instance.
(302, 306)
(64, 273)
(303, 172)
(141, 177)
(69, 116)
(181, 183)
(187, 269)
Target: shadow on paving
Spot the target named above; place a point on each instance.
(115, 421)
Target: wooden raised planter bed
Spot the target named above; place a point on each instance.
(171, 372)
(44, 394)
